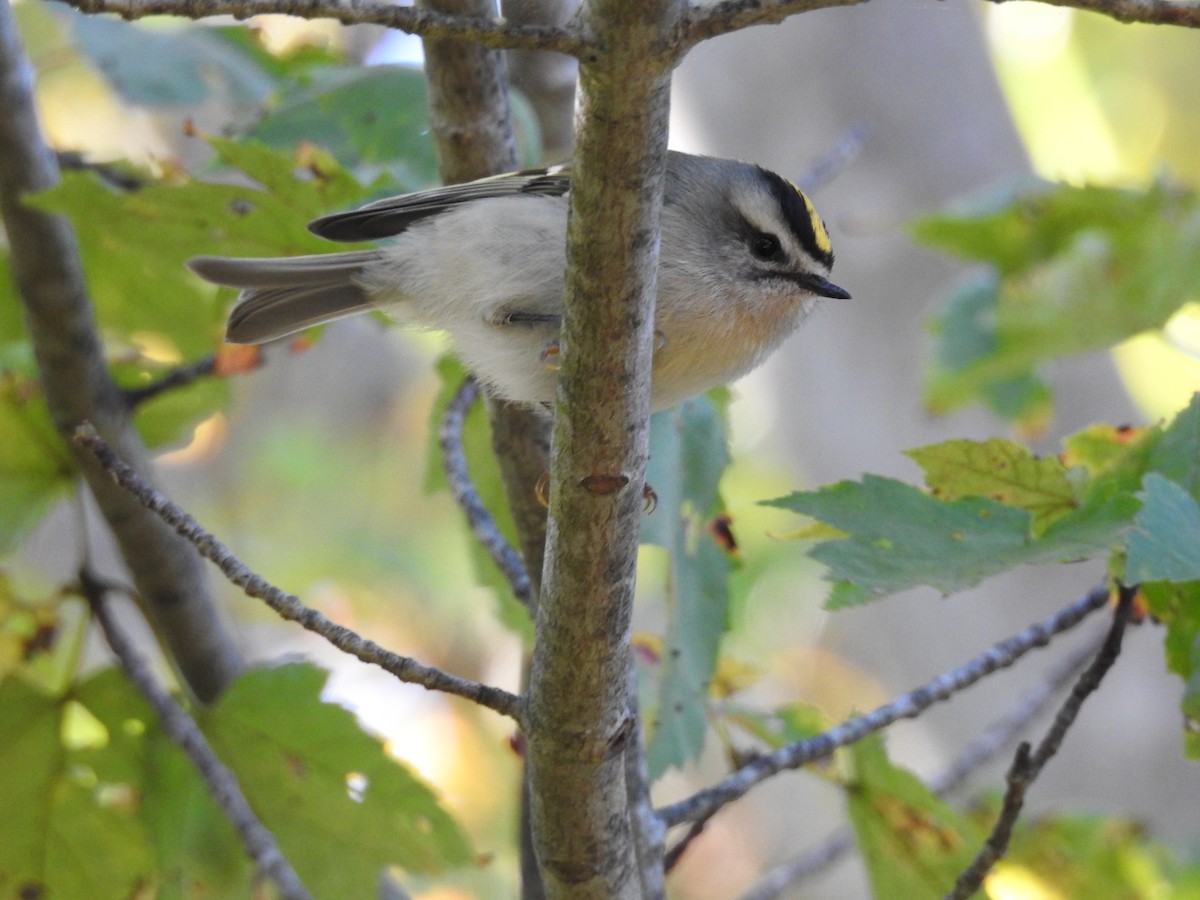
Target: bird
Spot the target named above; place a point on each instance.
(743, 258)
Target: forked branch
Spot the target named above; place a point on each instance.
(1028, 763)
(908, 706)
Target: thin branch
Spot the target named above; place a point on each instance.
(48, 271)
(833, 161)
(494, 33)
(1147, 12)
(1028, 765)
(462, 488)
(704, 22)
(288, 605)
(222, 784)
(695, 829)
(114, 176)
(990, 742)
(179, 376)
(792, 756)
(649, 833)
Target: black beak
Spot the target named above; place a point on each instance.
(823, 288)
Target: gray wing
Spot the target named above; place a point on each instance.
(389, 217)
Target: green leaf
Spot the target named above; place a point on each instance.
(339, 806)
(1164, 544)
(1002, 470)
(1079, 269)
(170, 65)
(191, 841)
(688, 455)
(12, 316)
(170, 416)
(1177, 607)
(135, 243)
(340, 109)
(36, 468)
(40, 636)
(293, 66)
(964, 331)
(1177, 455)
(185, 841)
(895, 537)
(913, 844)
(1097, 857)
(901, 537)
(31, 758)
(1099, 449)
(779, 727)
(71, 827)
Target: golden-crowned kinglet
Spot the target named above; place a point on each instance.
(743, 255)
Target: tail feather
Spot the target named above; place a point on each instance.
(282, 296)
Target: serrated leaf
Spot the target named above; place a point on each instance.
(688, 454)
(913, 844)
(900, 537)
(1176, 456)
(1164, 544)
(1002, 470)
(1081, 269)
(339, 806)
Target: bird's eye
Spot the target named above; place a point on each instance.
(766, 246)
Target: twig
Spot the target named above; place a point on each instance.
(704, 22)
(1147, 12)
(222, 784)
(495, 33)
(831, 163)
(978, 752)
(794, 755)
(180, 376)
(649, 833)
(1027, 764)
(112, 175)
(709, 21)
(454, 460)
(288, 605)
(695, 829)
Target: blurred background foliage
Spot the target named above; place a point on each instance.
(313, 467)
